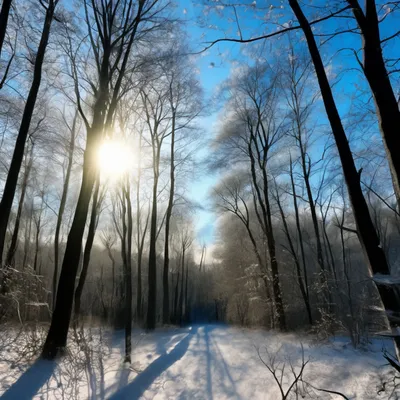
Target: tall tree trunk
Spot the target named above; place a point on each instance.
(28, 235)
(88, 248)
(186, 293)
(4, 13)
(58, 332)
(176, 297)
(303, 285)
(37, 242)
(63, 201)
(16, 161)
(374, 69)
(166, 312)
(298, 227)
(306, 171)
(152, 275)
(366, 231)
(262, 197)
(140, 237)
(182, 293)
(24, 184)
(128, 277)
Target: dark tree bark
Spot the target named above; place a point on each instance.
(367, 234)
(10, 258)
(152, 274)
(166, 311)
(126, 248)
(153, 104)
(298, 227)
(182, 290)
(16, 161)
(128, 275)
(186, 242)
(186, 293)
(94, 218)
(108, 241)
(141, 236)
(58, 332)
(375, 71)
(63, 201)
(265, 219)
(111, 64)
(4, 14)
(28, 235)
(38, 225)
(176, 297)
(303, 283)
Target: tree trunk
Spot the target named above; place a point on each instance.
(306, 176)
(37, 237)
(4, 13)
(88, 248)
(181, 294)
(16, 161)
(374, 69)
(303, 285)
(152, 276)
(63, 202)
(140, 240)
(128, 277)
(166, 312)
(186, 293)
(262, 196)
(298, 227)
(58, 332)
(14, 239)
(176, 299)
(28, 235)
(366, 231)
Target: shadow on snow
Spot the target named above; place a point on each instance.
(136, 388)
(29, 383)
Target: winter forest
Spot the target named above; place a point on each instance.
(199, 199)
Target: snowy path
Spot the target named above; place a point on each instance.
(208, 362)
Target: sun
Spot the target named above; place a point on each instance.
(115, 158)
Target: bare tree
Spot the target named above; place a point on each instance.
(365, 227)
(24, 184)
(4, 14)
(70, 149)
(112, 37)
(186, 242)
(156, 114)
(16, 162)
(374, 69)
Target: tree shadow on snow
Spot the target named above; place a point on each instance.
(207, 330)
(29, 383)
(215, 358)
(143, 381)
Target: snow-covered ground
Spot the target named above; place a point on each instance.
(199, 362)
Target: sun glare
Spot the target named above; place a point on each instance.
(115, 158)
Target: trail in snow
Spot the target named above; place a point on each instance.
(208, 362)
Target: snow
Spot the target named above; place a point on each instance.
(382, 279)
(200, 362)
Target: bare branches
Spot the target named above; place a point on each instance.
(272, 34)
(277, 369)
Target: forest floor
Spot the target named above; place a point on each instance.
(208, 362)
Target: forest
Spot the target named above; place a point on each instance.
(193, 190)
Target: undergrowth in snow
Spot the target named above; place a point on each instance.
(199, 362)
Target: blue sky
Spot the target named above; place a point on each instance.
(215, 66)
